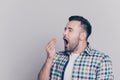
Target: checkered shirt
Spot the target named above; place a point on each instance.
(89, 65)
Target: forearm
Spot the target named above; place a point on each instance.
(45, 71)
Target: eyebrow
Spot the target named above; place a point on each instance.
(68, 28)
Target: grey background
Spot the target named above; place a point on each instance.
(27, 25)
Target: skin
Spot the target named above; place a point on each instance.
(45, 71)
(76, 37)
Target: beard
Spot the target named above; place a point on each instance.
(67, 50)
(72, 47)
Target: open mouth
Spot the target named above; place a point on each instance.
(65, 42)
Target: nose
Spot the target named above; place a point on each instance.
(65, 33)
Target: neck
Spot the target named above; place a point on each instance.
(81, 47)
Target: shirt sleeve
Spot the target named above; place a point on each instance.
(104, 71)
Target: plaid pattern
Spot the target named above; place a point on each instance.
(89, 65)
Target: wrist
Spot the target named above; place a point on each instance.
(49, 59)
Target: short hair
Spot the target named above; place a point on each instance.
(86, 24)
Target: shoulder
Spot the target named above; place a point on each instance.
(95, 53)
(101, 55)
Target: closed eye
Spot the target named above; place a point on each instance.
(70, 29)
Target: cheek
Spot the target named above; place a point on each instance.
(75, 37)
(74, 40)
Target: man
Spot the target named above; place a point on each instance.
(78, 61)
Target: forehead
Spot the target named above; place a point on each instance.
(73, 24)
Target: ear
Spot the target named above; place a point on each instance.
(83, 36)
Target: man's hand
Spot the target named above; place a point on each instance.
(50, 49)
(45, 71)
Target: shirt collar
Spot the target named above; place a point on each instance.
(88, 49)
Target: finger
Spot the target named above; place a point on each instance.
(51, 46)
(53, 41)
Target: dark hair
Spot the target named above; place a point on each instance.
(86, 25)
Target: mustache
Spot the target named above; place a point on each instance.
(64, 37)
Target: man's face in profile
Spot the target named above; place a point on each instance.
(71, 35)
